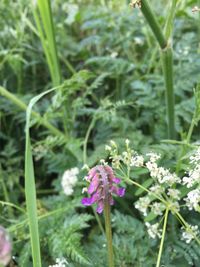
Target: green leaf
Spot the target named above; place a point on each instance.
(146, 184)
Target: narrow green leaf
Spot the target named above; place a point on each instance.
(30, 187)
(146, 184)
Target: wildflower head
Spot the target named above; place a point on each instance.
(69, 180)
(5, 247)
(102, 186)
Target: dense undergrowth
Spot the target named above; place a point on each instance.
(109, 86)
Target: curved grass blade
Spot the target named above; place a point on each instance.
(30, 188)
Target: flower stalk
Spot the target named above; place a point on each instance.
(108, 233)
(163, 238)
(167, 59)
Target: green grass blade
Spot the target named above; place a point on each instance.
(30, 187)
(44, 22)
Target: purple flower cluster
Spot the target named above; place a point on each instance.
(5, 247)
(102, 187)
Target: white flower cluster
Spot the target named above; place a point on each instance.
(189, 233)
(193, 174)
(153, 230)
(69, 180)
(193, 199)
(60, 263)
(142, 204)
(161, 174)
(157, 208)
(137, 161)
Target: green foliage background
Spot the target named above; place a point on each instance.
(112, 88)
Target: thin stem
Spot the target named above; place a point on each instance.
(98, 221)
(23, 106)
(86, 139)
(185, 224)
(170, 19)
(153, 23)
(163, 238)
(167, 62)
(145, 189)
(108, 233)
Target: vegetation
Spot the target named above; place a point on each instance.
(75, 75)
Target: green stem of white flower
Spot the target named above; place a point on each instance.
(186, 226)
(163, 238)
(145, 189)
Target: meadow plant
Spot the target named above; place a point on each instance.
(69, 180)
(60, 262)
(102, 185)
(5, 247)
(165, 192)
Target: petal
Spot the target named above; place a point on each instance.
(121, 191)
(118, 191)
(87, 201)
(100, 207)
(111, 201)
(93, 185)
(116, 180)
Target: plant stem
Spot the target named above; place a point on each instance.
(163, 238)
(153, 23)
(108, 233)
(86, 139)
(4, 92)
(167, 59)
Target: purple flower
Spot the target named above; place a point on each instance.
(5, 247)
(102, 186)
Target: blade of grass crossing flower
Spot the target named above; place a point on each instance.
(30, 187)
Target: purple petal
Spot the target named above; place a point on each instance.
(93, 185)
(111, 201)
(121, 191)
(87, 201)
(100, 207)
(116, 180)
(118, 191)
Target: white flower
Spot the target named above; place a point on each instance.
(85, 167)
(188, 182)
(189, 233)
(108, 148)
(193, 199)
(114, 54)
(112, 143)
(174, 193)
(137, 161)
(194, 173)
(196, 156)
(84, 190)
(127, 142)
(60, 263)
(103, 162)
(153, 156)
(174, 206)
(142, 204)
(163, 175)
(153, 230)
(157, 208)
(69, 180)
(157, 189)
